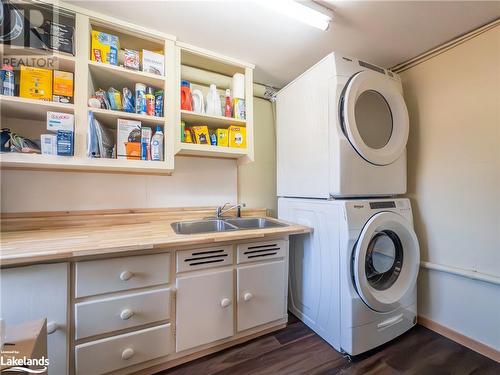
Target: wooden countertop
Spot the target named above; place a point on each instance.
(48, 237)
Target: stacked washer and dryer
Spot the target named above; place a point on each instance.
(342, 128)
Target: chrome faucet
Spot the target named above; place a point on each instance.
(219, 211)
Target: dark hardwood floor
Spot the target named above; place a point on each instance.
(298, 350)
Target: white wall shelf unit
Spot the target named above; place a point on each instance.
(211, 62)
(27, 117)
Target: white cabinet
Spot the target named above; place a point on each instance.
(261, 293)
(204, 308)
(38, 292)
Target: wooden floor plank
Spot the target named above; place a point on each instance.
(298, 350)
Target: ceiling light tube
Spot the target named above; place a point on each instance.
(303, 11)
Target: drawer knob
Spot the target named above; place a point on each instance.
(127, 353)
(225, 302)
(247, 296)
(125, 275)
(51, 327)
(126, 314)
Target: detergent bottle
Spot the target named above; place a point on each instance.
(186, 99)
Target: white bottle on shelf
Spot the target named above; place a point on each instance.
(157, 145)
(213, 106)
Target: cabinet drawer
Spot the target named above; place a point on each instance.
(115, 313)
(196, 259)
(255, 251)
(111, 275)
(117, 352)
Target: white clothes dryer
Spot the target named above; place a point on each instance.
(342, 129)
(353, 279)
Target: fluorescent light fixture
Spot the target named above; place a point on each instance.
(303, 11)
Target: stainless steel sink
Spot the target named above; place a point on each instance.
(224, 225)
(202, 226)
(254, 223)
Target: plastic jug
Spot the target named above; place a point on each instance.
(186, 99)
(213, 106)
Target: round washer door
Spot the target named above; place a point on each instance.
(375, 118)
(386, 261)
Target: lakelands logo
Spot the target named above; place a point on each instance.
(16, 364)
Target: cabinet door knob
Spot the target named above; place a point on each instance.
(126, 314)
(247, 296)
(125, 275)
(225, 302)
(127, 353)
(51, 327)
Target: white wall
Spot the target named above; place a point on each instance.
(257, 180)
(196, 182)
(454, 182)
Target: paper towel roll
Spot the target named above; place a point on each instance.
(238, 86)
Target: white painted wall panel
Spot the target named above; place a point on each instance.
(454, 182)
(195, 182)
(470, 307)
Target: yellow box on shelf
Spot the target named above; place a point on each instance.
(237, 136)
(35, 83)
(222, 137)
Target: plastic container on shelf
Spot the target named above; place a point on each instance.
(186, 99)
(157, 145)
(140, 98)
(213, 106)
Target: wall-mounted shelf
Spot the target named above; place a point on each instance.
(188, 55)
(108, 114)
(209, 120)
(15, 160)
(192, 149)
(27, 117)
(32, 109)
(109, 75)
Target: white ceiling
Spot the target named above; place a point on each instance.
(384, 33)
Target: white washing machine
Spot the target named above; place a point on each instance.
(353, 280)
(342, 129)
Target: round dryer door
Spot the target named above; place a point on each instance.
(386, 261)
(374, 117)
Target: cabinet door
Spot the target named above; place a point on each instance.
(38, 292)
(204, 308)
(261, 294)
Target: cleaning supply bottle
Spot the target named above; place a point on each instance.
(157, 145)
(213, 106)
(186, 99)
(8, 83)
(228, 108)
(238, 86)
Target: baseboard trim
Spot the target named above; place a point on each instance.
(477, 346)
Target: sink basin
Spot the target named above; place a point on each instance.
(254, 223)
(224, 225)
(202, 226)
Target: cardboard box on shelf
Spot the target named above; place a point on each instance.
(201, 134)
(128, 139)
(153, 62)
(60, 121)
(105, 47)
(222, 137)
(62, 89)
(35, 83)
(237, 136)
